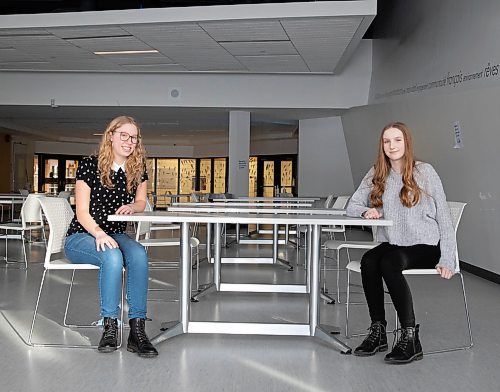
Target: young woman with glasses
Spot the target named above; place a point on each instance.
(114, 182)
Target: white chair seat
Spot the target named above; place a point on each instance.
(65, 264)
(147, 242)
(155, 227)
(423, 271)
(19, 226)
(339, 229)
(337, 244)
(354, 266)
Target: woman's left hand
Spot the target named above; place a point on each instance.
(445, 272)
(126, 209)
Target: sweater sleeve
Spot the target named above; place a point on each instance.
(447, 240)
(359, 201)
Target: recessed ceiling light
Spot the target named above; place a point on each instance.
(127, 52)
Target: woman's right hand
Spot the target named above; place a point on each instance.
(102, 240)
(372, 213)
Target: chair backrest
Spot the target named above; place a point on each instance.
(64, 195)
(59, 214)
(144, 228)
(329, 200)
(30, 211)
(456, 211)
(341, 202)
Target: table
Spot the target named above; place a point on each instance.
(244, 204)
(11, 199)
(268, 209)
(185, 325)
(271, 209)
(270, 199)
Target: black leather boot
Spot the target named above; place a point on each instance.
(109, 339)
(408, 347)
(138, 341)
(375, 341)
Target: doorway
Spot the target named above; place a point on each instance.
(276, 174)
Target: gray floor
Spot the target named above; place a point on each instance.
(235, 362)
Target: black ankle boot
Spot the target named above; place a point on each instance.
(109, 339)
(408, 347)
(375, 341)
(138, 341)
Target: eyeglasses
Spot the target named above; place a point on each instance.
(124, 136)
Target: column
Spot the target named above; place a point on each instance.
(239, 152)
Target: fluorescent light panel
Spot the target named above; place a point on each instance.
(127, 52)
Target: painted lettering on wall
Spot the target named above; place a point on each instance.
(451, 79)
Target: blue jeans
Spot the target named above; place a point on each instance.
(80, 248)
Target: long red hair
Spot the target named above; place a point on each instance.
(410, 193)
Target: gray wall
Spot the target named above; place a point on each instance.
(323, 164)
(429, 41)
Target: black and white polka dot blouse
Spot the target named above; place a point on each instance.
(103, 201)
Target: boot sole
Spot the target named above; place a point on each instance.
(380, 348)
(106, 349)
(142, 355)
(416, 357)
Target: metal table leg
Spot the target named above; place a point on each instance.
(324, 333)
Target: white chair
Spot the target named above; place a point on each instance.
(143, 236)
(59, 214)
(64, 195)
(31, 219)
(338, 245)
(456, 210)
(161, 226)
(340, 203)
(303, 229)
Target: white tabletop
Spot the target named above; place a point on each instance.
(279, 219)
(12, 196)
(248, 204)
(266, 209)
(269, 199)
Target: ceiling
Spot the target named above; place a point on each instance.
(303, 45)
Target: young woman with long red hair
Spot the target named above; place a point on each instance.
(409, 193)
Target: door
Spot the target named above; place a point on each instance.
(57, 173)
(276, 175)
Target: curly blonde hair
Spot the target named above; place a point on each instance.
(410, 193)
(135, 163)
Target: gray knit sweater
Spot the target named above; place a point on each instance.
(429, 222)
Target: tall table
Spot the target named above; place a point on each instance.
(185, 325)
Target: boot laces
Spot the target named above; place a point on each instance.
(110, 331)
(375, 330)
(141, 333)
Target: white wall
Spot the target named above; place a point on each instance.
(323, 163)
(428, 40)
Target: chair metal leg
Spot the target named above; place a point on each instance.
(58, 345)
(348, 291)
(471, 343)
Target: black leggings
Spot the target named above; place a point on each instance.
(387, 262)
